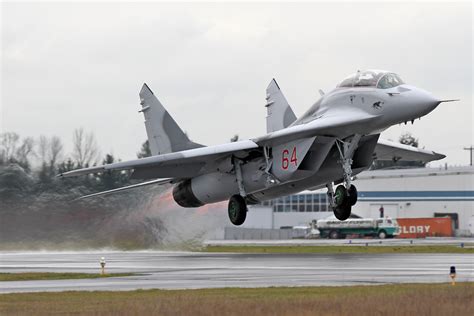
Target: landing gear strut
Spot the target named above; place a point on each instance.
(237, 208)
(345, 196)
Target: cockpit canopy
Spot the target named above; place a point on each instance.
(372, 78)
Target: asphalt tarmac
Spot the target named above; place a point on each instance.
(189, 270)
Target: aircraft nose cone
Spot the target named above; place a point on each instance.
(427, 101)
(432, 101)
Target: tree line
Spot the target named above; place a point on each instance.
(29, 165)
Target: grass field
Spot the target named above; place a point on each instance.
(340, 249)
(26, 276)
(408, 299)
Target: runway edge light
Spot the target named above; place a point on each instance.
(102, 265)
(452, 274)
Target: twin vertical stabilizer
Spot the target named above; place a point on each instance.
(164, 134)
(279, 112)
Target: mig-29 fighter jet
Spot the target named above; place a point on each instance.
(335, 139)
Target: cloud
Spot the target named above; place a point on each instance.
(82, 64)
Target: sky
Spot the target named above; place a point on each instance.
(71, 65)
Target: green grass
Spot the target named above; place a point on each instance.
(340, 249)
(400, 299)
(27, 276)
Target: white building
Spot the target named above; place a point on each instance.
(402, 193)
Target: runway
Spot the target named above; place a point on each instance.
(189, 270)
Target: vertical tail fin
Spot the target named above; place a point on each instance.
(164, 134)
(279, 112)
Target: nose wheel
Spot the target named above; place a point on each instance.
(345, 196)
(343, 201)
(237, 210)
(352, 193)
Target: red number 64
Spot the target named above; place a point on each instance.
(285, 162)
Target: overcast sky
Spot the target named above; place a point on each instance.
(65, 66)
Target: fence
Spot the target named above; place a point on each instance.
(238, 233)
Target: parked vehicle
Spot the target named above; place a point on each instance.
(380, 227)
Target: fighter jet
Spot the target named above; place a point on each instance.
(337, 138)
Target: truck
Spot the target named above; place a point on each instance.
(380, 227)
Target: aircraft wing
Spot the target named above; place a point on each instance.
(388, 150)
(182, 164)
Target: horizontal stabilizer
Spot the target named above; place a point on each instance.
(133, 186)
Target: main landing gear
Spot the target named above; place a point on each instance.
(237, 208)
(345, 196)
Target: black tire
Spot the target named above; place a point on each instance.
(382, 234)
(342, 213)
(333, 234)
(340, 196)
(237, 210)
(352, 192)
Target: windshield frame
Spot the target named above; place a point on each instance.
(363, 79)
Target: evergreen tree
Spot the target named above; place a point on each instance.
(108, 180)
(145, 150)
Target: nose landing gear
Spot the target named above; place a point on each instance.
(343, 201)
(345, 196)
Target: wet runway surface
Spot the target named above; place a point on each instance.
(185, 270)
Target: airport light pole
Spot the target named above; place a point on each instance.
(471, 149)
